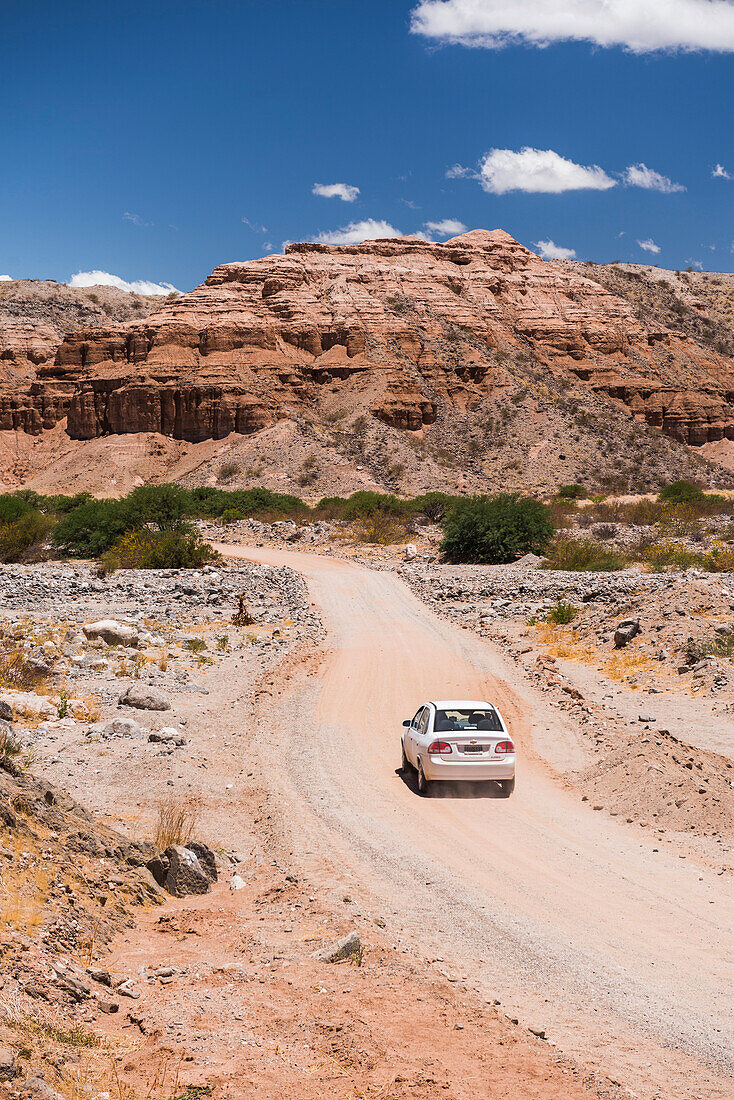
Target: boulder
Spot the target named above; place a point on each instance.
(185, 873)
(6, 711)
(350, 947)
(206, 858)
(26, 704)
(112, 632)
(411, 552)
(123, 727)
(144, 697)
(8, 1072)
(625, 632)
(35, 1088)
(181, 871)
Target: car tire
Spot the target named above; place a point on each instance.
(406, 762)
(424, 786)
(508, 786)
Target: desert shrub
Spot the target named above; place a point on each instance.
(379, 528)
(176, 820)
(11, 750)
(228, 470)
(145, 549)
(62, 504)
(495, 530)
(641, 513)
(209, 502)
(680, 492)
(163, 506)
(92, 529)
(720, 645)
(17, 537)
(13, 506)
(604, 531)
(720, 560)
(366, 502)
(581, 555)
(564, 513)
(572, 492)
(679, 520)
(561, 613)
(15, 671)
(434, 506)
(664, 556)
(231, 515)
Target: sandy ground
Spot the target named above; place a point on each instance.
(475, 910)
(621, 953)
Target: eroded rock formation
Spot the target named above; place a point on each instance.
(415, 326)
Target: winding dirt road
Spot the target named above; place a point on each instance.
(569, 917)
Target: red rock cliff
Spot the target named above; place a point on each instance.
(413, 323)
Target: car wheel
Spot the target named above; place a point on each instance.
(508, 786)
(406, 762)
(423, 784)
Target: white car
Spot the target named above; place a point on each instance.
(459, 739)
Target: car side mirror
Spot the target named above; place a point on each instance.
(407, 722)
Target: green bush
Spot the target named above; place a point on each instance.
(572, 492)
(581, 555)
(208, 502)
(434, 506)
(163, 506)
(145, 549)
(17, 537)
(680, 492)
(561, 613)
(367, 503)
(494, 530)
(231, 515)
(13, 506)
(92, 529)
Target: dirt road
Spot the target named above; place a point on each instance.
(574, 920)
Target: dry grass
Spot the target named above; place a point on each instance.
(559, 641)
(15, 672)
(177, 819)
(379, 529)
(626, 663)
(26, 884)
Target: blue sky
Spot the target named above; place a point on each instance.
(138, 137)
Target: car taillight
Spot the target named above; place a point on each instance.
(504, 747)
(439, 748)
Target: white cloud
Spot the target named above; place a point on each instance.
(639, 175)
(344, 191)
(103, 278)
(720, 173)
(6, 278)
(254, 226)
(641, 26)
(356, 232)
(649, 246)
(458, 172)
(538, 171)
(449, 227)
(549, 250)
(695, 263)
(137, 220)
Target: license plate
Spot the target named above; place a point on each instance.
(473, 748)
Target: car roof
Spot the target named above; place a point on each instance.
(461, 704)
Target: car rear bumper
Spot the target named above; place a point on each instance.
(476, 771)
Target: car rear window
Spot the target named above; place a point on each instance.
(456, 719)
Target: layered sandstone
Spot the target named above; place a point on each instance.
(421, 328)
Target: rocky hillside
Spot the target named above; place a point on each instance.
(36, 315)
(416, 364)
